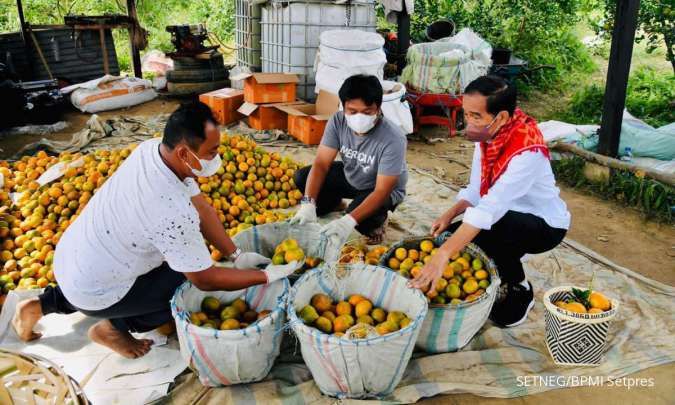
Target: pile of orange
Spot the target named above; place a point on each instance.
(596, 303)
(464, 277)
(251, 183)
(361, 253)
(357, 312)
(226, 316)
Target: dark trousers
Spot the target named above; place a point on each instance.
(335, 188)
(510, 238)
(143, 308)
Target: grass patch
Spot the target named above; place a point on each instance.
(654, 199)
(648, 97)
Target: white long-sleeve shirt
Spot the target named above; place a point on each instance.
(527, 185)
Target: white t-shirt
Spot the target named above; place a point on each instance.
(527, 185)
(142, 216)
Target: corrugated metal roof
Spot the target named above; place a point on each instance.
(74, 61)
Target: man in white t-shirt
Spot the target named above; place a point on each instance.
(141, 236)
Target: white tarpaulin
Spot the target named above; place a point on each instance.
(106, 377)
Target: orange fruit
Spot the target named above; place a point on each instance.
(463, 262)
(449, 271)
(598, 300)
(576, 307)
(426, 246)
(321, 302)
(343, 308)
(343, 322)
(363, 308)
(595, 311)
(355, 299)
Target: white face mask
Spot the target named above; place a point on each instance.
(361, 123)
(209, 167)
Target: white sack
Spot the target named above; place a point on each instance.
(363, 368)
(109, 93)
(344, 53)
(226, 357)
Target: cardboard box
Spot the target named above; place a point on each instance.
(306, 122)
(224, 104)
(267, 116)
(262, 88)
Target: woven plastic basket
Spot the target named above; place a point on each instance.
(575, 339)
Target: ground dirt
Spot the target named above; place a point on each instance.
(619, 233)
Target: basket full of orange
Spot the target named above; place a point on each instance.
(577, 324)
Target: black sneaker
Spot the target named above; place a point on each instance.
(512, 310)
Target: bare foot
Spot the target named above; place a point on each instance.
(104, 333)
(27, 314)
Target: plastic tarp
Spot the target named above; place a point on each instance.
(651, 147)
(490, 364)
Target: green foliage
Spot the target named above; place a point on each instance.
(656, 25)
(656, 200)
(582, 296)
(539, 31)
(649, 96)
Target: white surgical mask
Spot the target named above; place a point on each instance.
(361, 123)
(209, 167)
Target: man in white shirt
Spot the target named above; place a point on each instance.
(141, 236)
(511, 206)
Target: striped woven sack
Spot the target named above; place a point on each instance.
(226, 357)
(448, 328)
(427, 71)
(575, 339)
(362, 368)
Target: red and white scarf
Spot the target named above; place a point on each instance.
(518, 135)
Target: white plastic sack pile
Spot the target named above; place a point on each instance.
(395, 108)
(480, 49)
(362, 368)
(226, 357)
(344, 53)
(109, 93)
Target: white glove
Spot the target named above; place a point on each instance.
(305, 215)
(275, 272)
(337, 232)
(340, 227)
(250, 260)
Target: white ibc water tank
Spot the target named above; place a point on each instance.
(291, 29)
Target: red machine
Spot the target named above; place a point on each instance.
(449, 104)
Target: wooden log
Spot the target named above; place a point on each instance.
(666, 178)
